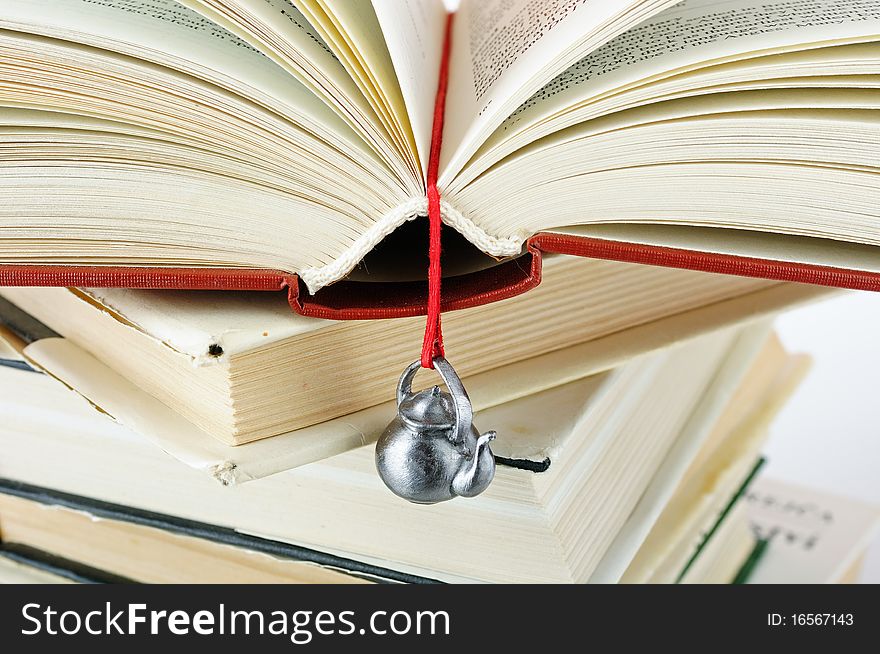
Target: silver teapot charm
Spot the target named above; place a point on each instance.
(431, 452)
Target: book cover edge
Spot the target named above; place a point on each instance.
(346, 300)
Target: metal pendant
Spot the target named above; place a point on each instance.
(431, 452)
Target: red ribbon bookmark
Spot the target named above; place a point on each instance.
(432, 346)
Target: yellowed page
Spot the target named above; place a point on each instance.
(358, 25)
(503, 51)
(413, 31)
(352, 31)
(359, 28)
(814, 537)
(282, 33)
(165, 32)
(678, 40)
(245, 18)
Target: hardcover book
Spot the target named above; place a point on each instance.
(270, 144)
(241, 367)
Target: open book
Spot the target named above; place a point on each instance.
(266, 144)
(813, 536)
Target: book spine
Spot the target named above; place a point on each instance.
(227, 279)
(728, 264)
(348, 300)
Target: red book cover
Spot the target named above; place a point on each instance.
(349, 300)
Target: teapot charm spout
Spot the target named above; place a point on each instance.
(431, 452)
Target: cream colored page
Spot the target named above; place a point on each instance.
(696, 32)
(414, 32)
(166, 32)
(278, 29)
(813, 537)
(285, 22)
(7, 351)
(503, 51)
(358, 25)
(352, 31)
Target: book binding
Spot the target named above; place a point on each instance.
(351, 300)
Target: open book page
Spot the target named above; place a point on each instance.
(414, 31)
(813, 537)
(692, 35)
(264, 24)
(771, 161)
(503, 51)
(353, 32)
(7, 352)
(169, 34)
(281, 32)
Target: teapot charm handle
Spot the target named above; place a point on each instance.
(464, 413)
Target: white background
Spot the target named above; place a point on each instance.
(828, 436)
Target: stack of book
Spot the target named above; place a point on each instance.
(195, 437)
(212, 273)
